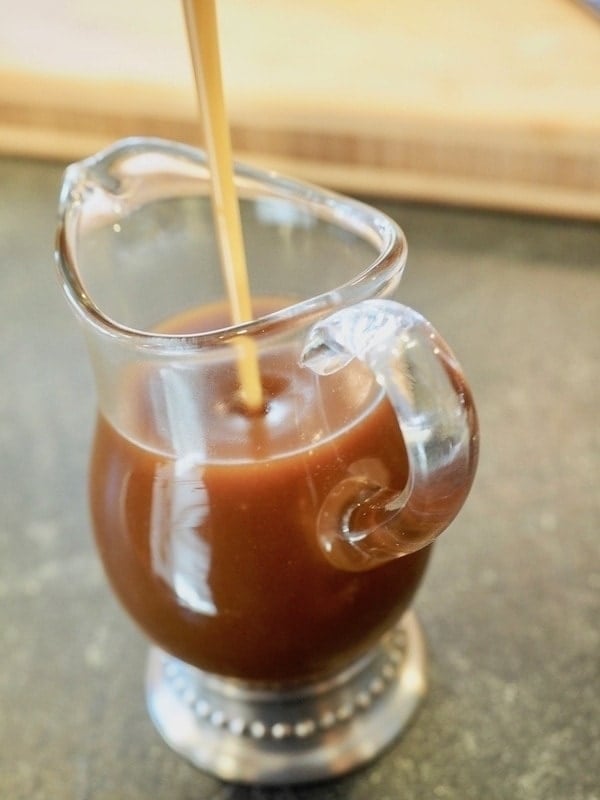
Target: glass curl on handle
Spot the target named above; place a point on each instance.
(363, 524)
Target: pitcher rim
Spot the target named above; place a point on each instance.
(378, 278)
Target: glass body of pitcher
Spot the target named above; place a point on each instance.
(270, 554)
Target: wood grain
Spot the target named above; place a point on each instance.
(489, 104)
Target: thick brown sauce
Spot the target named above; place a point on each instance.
(217, 557)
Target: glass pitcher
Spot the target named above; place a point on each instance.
(270, 554)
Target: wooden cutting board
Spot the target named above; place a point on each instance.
(492, 104)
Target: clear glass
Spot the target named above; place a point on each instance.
(276, 547)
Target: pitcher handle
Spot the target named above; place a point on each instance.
(368, 525)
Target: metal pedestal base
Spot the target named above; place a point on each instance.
(309, 733)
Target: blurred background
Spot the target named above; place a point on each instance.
(487, 104)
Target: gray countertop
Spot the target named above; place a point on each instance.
(510, 604)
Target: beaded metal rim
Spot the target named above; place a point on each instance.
(299, 734)
(177, 675)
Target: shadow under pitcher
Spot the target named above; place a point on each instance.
(270, 555)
